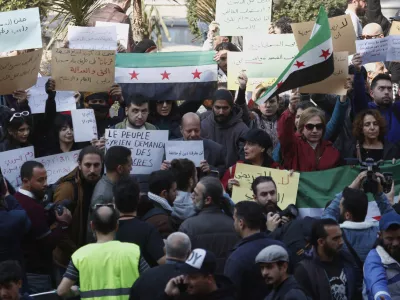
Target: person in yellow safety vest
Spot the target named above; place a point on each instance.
(107, 268)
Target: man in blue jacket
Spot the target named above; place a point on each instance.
(382, 266)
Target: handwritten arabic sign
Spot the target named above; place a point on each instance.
(122, 31)
(11, 162)
(342, 30)
(286, 185)
(59, 165)
(395, 29)
(19, 72)
(334, 84)
(65, 101)
(83, 70)
(377, 50)
(240, 17)
(20, 29)
(94, 38)
(192, 150)
(147, 147)
(85, 125)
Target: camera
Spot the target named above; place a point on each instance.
(52, 209)
(291, 212)
(370, 183)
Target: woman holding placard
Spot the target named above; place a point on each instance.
(17, 131)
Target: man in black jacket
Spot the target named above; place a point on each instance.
(149, 285)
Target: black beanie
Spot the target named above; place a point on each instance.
(223, 95)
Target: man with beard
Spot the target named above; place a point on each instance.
(356, 9)
(225, 125)
(349, 209)
(40, 241)
(329, 272)
(382, 266)
(239, 266)
(137, 111)
(78, 187)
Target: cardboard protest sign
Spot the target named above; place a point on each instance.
(122, 31)
(286, 185)
(92, 38)
(19, 72)
(342, 30)
(59, 165)
(334, 84)
(192, 150)
(238, 18)
(395, 29)
(65, 101)
(83, 70)
(20, 30)
(379, 50)
(11, 162)
(85, 125)
(147, 147)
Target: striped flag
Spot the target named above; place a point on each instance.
(168, 76)
(312, 64)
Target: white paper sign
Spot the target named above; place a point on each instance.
(192, 150)
(393, 53)
(147, 147)
(377, 50)
(20, 29)
(59, 165)
(65, 101)
(92, 38)
(11, 162)
(84, 123)
(122, 31)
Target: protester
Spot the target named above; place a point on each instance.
(106, 256)
(11, 276)
(131, 229)
(239, 266)
(77, 188)
(222, 58)
(274, 263)
(199, 276)
(17, 131)
(257, 143)
(381, 268)
(43, 237)
(356, 9)
(281, 26)
(212, 228)
(137, 112)
(145, 46)
(329, 273)
(118, 163)
(149, 285)
(265, 194)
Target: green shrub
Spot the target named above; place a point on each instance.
(44, 5)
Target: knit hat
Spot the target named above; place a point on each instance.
(223, 95)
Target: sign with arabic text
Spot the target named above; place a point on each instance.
(11, 162)
(92, 38)
(192, 150)
(395, 29)
(378, 50)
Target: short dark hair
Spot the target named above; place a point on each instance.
(16, 123)
(380, 77)
(304, 105)
(10, 271)
(105, 224)
(335, 12)
(250, 212)
(283, 24)
(318, 230)
(227, 46)
(212, 189)
(137, 100)
(116, 156)
(126, 194)
(261, 179)
(161, 181)
(27, 168)
(356, 203)
(89, 150)
(184, 169)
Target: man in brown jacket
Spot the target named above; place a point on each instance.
(114, 12)
(77, 187)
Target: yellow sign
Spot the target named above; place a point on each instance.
(287, 184)
(395, 29)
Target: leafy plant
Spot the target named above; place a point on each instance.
(44, 5)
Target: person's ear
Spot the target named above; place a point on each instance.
(379, 235)
(191, 182)
(164, 194)
(347, 216)
(91, 226)
(120, 169)
(126, 111)
(19, 284)
(321, 242)
(208, 201)
(371, 93)
(241, 224)
(263, 150)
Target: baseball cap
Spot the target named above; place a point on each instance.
(389, 219)
(259, 137)
(273, 253)
(200, 261)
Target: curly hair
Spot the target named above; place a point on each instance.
(358, 124)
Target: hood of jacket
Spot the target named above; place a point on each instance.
(183, 206)
(385, 257)
(358, 225)
(235, 118)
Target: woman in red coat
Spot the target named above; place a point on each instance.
(305, 150)
(257, 143)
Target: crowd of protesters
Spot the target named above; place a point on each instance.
(100, 232)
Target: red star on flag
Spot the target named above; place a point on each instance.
(134, 75)
(299, 64)
(165, 75)
(280, 84)
(325, 54)
(196, 74)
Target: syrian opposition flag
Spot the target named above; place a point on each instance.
(312, 64)
(167, 76)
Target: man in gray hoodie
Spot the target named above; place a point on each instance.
(225, 125)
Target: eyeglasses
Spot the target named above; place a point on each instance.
(19, 115)
(311, 127)
(369, 37)
(166, 102)
(110, 205)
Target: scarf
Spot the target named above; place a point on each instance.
(164, 203)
